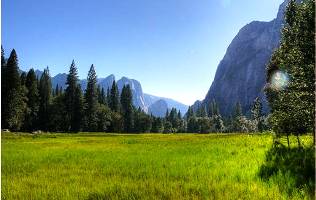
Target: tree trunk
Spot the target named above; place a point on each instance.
(288, 141)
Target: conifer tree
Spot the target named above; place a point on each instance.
(73, 100)
(256, 113)
(114, 98)
(4, 94)
(127, 108)
(91, 101)
(57, 90)
(31, 117)
(293, 105)
(190, 112)
(14, 105)
(45, 98)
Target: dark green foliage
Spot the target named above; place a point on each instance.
(4, 92)
(116, 122)
(293, 106)
(190, 112)
(143, 122)
(91, 101)
(73, 100)
(58, 113)
(205, 125)
(193, 126)
(168, 127)
(45, 98)
(114, 98)
(157, 125)
(104, 118)
(213, 108)
(201, 111)
(127, 108)
(101, 96)
(257, 117)
(237, 110)
(13, 100)
(23, 78)
(31, 117)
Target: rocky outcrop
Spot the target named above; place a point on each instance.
(241, 75)
(158, 108)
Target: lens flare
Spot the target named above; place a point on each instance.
(279, 80)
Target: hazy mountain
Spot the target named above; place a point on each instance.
(150, 99)
(158, 108)
(241, 75)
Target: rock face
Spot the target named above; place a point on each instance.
(158, 108)
(150, 99)
(241, 75)
(137, 91)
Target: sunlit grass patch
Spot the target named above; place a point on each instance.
(149, 166)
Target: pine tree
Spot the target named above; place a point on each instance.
(23, 78)
(293, 105)
(108, 96)
(114, 98)
(190, 112)
(127, 108)
(157, 125)
(45, 98)
(238, 110)
(4, 92)
(91, 101)
(73, 100)
(57, 90)
(31, 117)
(103, 97)
(256, 113)
(14, 106)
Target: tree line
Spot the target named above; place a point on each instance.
(29, 103)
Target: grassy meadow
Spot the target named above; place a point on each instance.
(144, 166)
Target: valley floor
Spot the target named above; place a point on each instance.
(146, 166)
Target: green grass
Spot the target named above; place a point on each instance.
(149, 166)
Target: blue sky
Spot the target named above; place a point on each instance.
(172, 47)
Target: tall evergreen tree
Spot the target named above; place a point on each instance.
(190, 112)
(256, 113)
(57, 90)
(91, 101)
(4, 94)
(127, 108)
(14, 106)
(45, 96)
(114, 98)
(237, 110)
(293, 105)
(73, 100)
(31, 117)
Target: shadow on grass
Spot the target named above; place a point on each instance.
(293, 169)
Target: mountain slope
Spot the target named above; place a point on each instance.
(150, 99)
(158, 108)
(240, 76)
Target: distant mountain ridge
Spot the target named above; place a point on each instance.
(149, 103)
(241, 74)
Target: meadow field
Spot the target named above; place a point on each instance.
(143, 166)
